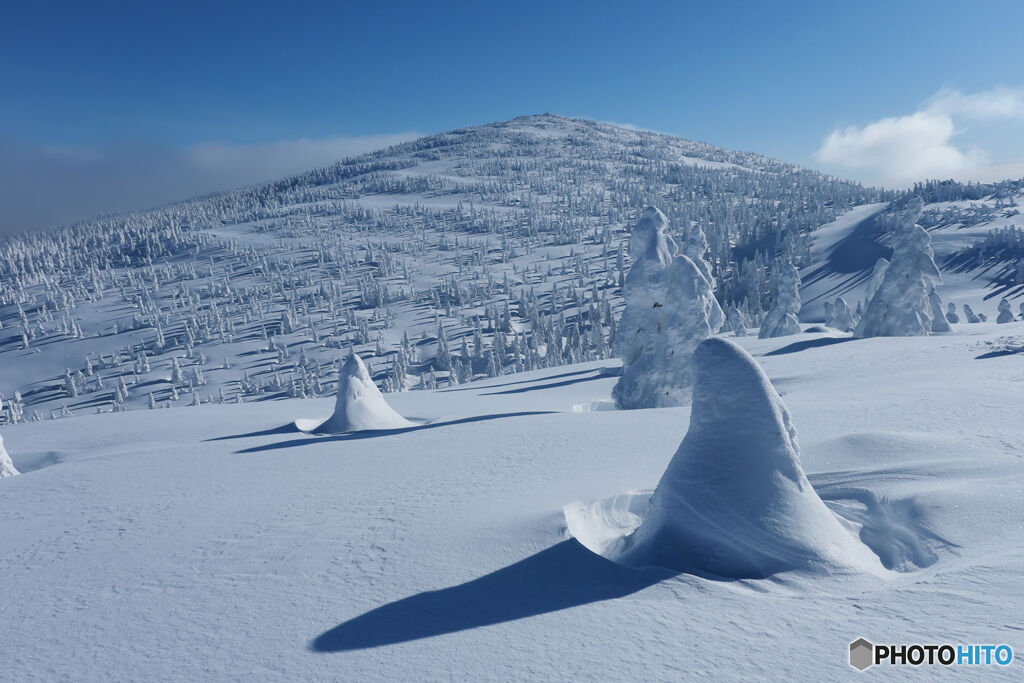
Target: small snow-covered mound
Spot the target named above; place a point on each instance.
(7, 468)
(360, 405)
(734, 500)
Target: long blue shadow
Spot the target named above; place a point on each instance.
(523, 381)
(563, 576)
(809, 344)
(550, 385)
(289, 428)
(373, 434)
(999, 354)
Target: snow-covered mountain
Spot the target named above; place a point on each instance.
(490, 249)
(502, 240)
(824, 487)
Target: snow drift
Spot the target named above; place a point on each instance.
(734, 500)
(359, 405)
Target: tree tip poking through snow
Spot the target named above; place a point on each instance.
(734, 500)
(359, 406)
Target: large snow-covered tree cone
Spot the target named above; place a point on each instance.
(906, 304)
(734, 500)
(781, 320)
(7, 468)
(359, 406)
(670, 308)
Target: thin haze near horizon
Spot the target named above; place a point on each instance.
(123, 106)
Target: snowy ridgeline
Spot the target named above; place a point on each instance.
(474, 253)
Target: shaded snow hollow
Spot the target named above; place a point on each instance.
(359, 406)
(734, 501)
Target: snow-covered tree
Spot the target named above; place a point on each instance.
(670, 308)
(877, 276)
(1005, 313)
(842, 317)
(734, 500)
(736, 321)
(903, 305)
(781, 320)
(359, 404)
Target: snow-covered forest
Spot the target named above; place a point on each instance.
(473, 253)
(479, 252)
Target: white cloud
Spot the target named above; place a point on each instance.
(41, 186)
(899, 150)
(998, 103)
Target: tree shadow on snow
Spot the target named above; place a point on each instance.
(1000, 353)
(370, 434)
(525, 381)
(289, 428)
(550, 385)
(563, 576)
(808, 344)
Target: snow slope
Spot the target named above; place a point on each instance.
(218, 543)
(844, 252)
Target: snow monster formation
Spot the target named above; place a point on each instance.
(670, 308)
(843, 318)
(734, 501)
(7, 468)
(782, 320)
(1005, 314)
(359, 406)
(905, 303)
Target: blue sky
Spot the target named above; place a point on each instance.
(233, 92)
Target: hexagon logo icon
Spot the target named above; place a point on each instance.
(862, 654)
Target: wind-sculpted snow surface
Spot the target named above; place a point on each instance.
(670, 308)
(734, 500)
(906, 304)
(359, 405)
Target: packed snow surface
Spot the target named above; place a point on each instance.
(213, 543)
